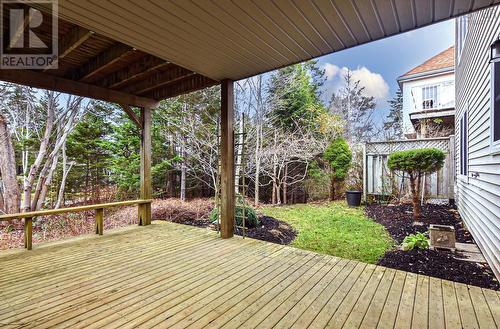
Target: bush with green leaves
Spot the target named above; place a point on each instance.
(416, 163)
(339, 157)
(251, 218)
(416, 241)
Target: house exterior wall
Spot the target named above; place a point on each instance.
(478, 191)
(412, 96)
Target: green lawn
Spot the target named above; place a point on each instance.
(333, 228)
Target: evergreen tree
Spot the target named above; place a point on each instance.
(355, 108)
(393, 124)
(294, 96)
(89, 147)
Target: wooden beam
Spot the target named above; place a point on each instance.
(131, 114)
(71, 40)
(189, 84)
(146, 190)
(46, 81)
(102, 61)
(144, 66)
(159, 79)
(227, 159)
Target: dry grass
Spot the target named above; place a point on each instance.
(57, 227)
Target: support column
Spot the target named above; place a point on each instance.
(146, 187)
(227, 159)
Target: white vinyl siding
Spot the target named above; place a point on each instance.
(463, 145)
(495, 105)
(462, 23)
(478, 196)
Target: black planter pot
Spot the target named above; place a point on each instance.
(353, 198)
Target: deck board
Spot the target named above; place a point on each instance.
(173, 276)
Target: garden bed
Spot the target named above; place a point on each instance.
(398, 221)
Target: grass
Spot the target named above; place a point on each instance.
(335, 229)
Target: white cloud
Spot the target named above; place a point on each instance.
(374, 83)
(331, 70)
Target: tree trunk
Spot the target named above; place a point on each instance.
(332, 189)
(11, 192)
(183, 176)
(275, 170)
(285, 189)
(415, 190)
(47, 182)
(62, 188)
(42, 152)
(257, 166)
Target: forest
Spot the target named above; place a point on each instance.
(58, 150)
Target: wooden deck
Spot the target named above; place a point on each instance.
(168, 275)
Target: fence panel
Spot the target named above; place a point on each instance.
(379, 180)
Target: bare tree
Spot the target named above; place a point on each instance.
(10, 186)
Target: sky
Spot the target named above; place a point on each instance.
(378, 64)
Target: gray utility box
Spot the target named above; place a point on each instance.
(442, 237)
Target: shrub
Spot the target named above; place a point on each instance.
(339, 157)
(418, 240)
(251, 218)
(416, 163)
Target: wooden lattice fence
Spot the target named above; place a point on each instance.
(378, 179)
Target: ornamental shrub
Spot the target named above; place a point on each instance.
(339, 157)
(251, 218)
(416, 163)
(416, 241)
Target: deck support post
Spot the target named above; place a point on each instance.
(146, 190)
(227, 159)
(28, 233)
(99, 221)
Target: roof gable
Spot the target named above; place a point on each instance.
(443, 60)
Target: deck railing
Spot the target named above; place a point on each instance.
(99, 216)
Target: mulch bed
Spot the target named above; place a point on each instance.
(398, 221)
(441, 264)
(271, 230)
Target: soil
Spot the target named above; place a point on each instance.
(398, 220)
(441, 264)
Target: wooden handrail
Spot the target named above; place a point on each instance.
(99, 216)
(32, 214)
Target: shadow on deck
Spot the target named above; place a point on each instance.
(170, 275)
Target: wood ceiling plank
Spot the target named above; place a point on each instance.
(159, 79)
(70, 41)
(189, 84)
(100, 62)
(137, 70)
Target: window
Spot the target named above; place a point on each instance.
(461, 33)
(429, 97)
(463, 145)
(495, 104)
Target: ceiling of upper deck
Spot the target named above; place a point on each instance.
(240, 38)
